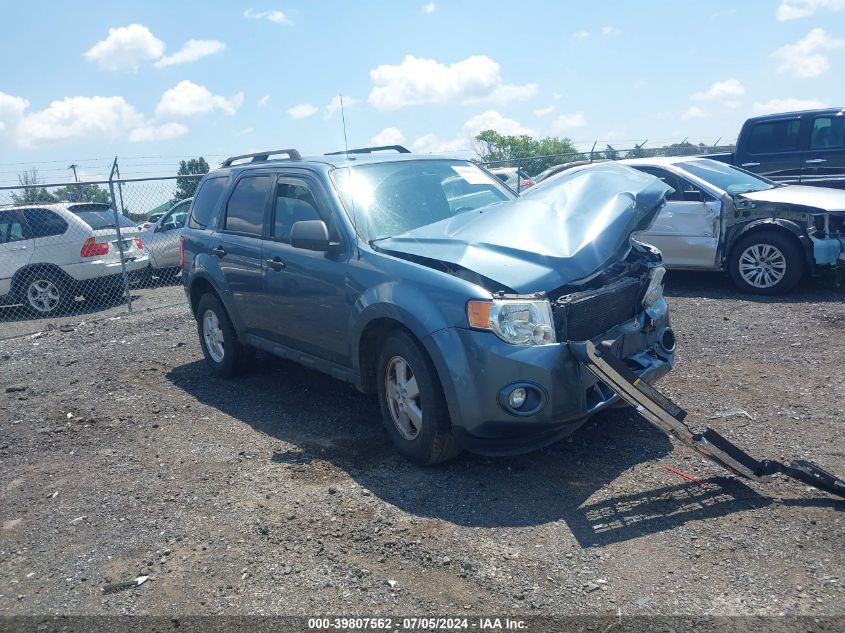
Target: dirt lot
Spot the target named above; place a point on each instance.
(278, 493)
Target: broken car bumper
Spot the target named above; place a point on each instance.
(478, 372)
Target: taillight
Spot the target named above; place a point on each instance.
(138, 243)
(92, 248)
(182, 253)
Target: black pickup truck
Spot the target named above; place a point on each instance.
(806, 147)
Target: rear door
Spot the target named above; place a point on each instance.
(687, 229)
(308, 303)
(237, 245)
(824, 161)
(773, 149)
(16, 247)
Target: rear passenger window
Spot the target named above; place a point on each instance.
(44, 223)
(11, 227)
(245, 211)
(205, 201)
(828, 131)
(294, 203)
(774, 136)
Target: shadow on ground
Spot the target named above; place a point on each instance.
(709, 285)
(328, 422)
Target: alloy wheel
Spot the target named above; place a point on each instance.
(403, 398)
(762, 265)
(213, 336)
(43, 295)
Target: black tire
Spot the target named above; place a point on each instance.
(433, 442)
(787, 253)
(45, 293)
(236, 357)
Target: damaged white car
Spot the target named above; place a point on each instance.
(767, 236)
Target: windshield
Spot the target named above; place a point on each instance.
(725, 177)
(103, 219)
(387, 199)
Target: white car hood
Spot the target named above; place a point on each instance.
(824, 198)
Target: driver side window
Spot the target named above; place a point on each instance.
(176, 218)
(294, 202)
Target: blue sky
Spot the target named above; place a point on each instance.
(153, 81)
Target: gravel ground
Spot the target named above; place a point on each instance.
(278, 493)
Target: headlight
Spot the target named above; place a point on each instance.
(514, 321)
(653, 302)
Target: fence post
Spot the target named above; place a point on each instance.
(119, 237)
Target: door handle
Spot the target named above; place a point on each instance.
(219, 251)
(814, 161)
(750, 165)
(276, 263)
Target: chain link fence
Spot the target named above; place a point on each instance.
(523, 172)
(83, 250)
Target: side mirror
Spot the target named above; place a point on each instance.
(312, 235)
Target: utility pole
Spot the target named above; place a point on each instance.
(73, 167)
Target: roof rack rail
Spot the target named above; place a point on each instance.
(259, 157)
(369, 150)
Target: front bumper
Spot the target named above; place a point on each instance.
(475, 366)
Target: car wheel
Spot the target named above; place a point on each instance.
(413, 407)
(224, 355)
(46, 293)
(766, 263)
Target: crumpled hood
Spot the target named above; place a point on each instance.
(556, 233)
(823, 198)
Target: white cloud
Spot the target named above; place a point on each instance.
(790, 104)
(433, 144)
(732, 104)
(263, 101)
(694, 112)
(334, 104)
(581, 35)
(544, 111)
(275, 16)
(11, 110)
(151, 132)
(794, 9)
(191, 52)
(246, 130)
(78, 117)
(419, 81)
(805, 58)
(430, 7)
(607, 31)
(566, 122)
(187, 98)
(720, 90)
(388, 136)
(492, 120)
(302, 111)
(126, 48)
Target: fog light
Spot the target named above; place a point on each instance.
(517, 397)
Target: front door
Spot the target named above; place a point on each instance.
(237, 245)
(309, 304)
(165, 237)
(824, 162)
(773, 149)
(687, 229)
(16, 246)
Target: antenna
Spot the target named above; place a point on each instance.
(348, 170)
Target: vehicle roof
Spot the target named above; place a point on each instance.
(662, 160)
(326, 162)
(832, 110)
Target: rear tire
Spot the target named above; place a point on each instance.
(46, 293)
(766, 263)
(413, 407)
(224, 354)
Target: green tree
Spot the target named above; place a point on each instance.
(531, 154)
(31, 195)
(83, 192)
(185, 187)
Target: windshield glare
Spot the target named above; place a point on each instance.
(725, 177)
(388, 199)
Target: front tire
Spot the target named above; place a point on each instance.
(413, 407)
(224, 354)
(766, 263)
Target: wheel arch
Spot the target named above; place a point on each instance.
(785, 227)
(24, 273)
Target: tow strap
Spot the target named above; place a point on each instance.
(667, 416)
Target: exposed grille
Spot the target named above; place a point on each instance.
(585, 316)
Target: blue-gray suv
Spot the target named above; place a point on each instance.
(427, 281)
